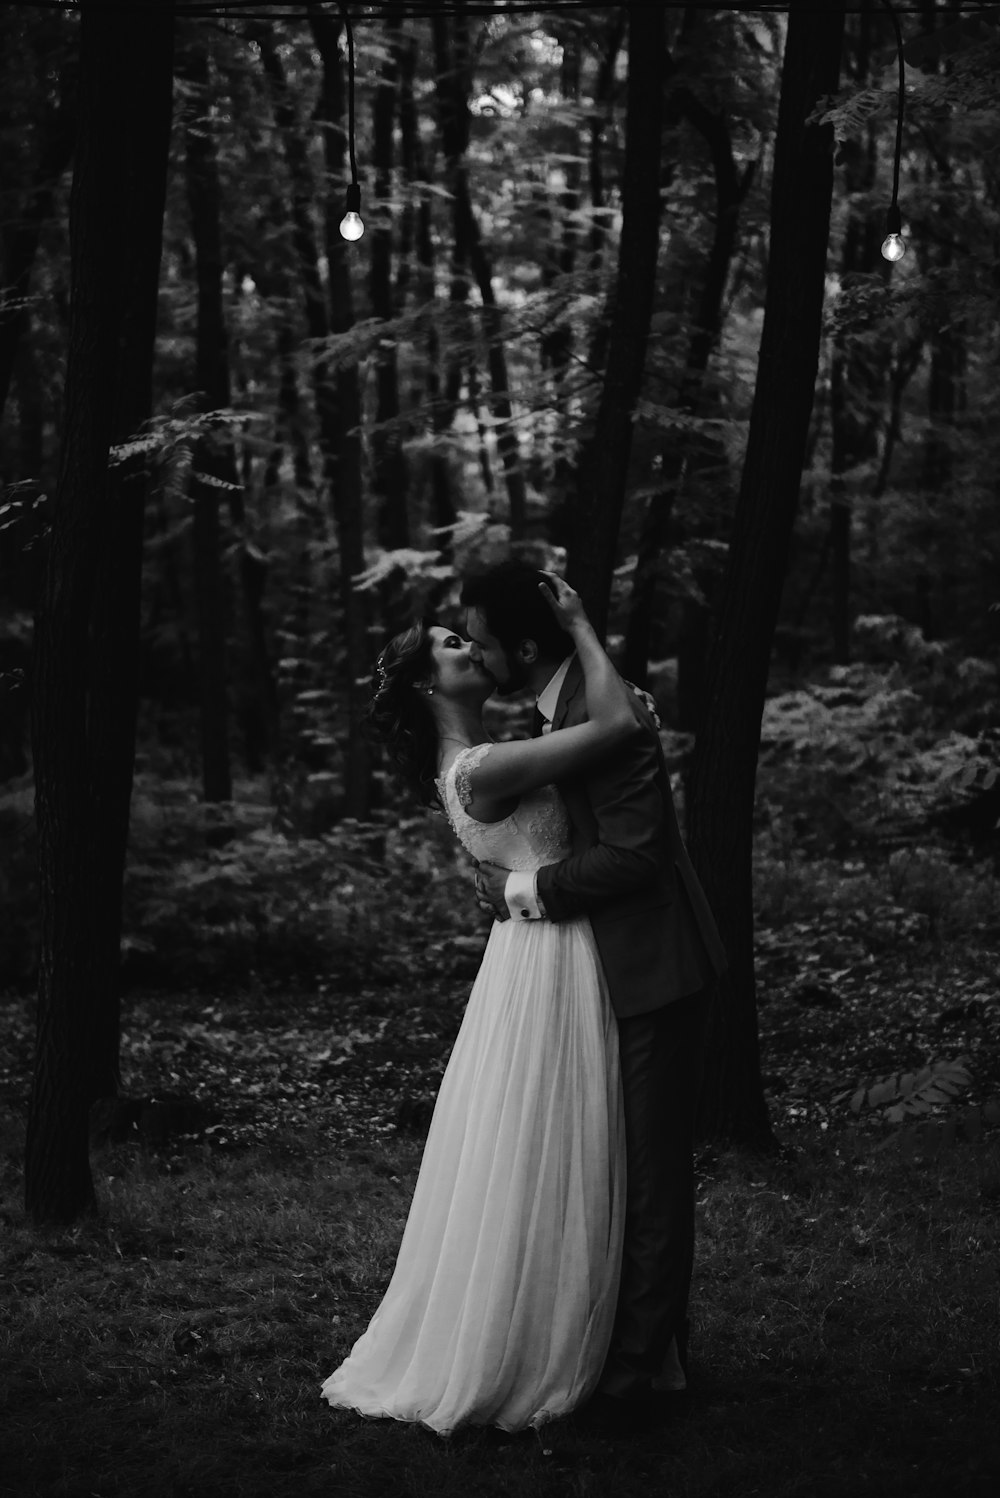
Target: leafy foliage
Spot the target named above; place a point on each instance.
(906, 1094)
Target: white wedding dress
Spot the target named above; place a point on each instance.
(501, 1304)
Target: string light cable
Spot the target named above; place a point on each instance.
(351, 225)
(894, 245)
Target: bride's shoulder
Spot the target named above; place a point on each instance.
(456, 774)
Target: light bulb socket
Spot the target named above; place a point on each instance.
(352, 202)
(893, 219)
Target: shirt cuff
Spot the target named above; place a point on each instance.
(521, 894)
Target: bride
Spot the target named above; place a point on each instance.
(501, 1304)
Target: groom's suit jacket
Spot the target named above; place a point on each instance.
(630, 872)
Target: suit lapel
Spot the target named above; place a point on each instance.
(571, 688)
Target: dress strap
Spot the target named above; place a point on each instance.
(466, 761)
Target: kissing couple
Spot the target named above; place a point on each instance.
(546, 1260)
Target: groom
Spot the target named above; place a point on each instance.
(660, 949)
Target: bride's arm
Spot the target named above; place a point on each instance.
(511, 769)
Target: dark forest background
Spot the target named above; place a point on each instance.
(619, 307)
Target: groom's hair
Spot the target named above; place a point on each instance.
(507, 596)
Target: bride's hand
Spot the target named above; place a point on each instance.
(563, 600)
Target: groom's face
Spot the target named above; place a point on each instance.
(506, 669)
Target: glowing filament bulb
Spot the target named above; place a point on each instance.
(351, 226)
(893, 245)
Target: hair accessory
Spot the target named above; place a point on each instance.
(381, 672)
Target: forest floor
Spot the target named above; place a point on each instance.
(846, 1308)
(293, 1004)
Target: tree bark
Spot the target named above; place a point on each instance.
(21, 239)
(723, 770)
(453, 89)
(857, 372)
(416, 171)
(213, 465)
(603, 469)
(343, 456)
(603, 90)
(731, 187)
(389, 468)
(83, 717)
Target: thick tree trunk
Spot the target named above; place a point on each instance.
(723, 771)
(79, 713)
(115, 644)
(731, 187)
(603, 468)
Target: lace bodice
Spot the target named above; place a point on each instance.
(535, 834)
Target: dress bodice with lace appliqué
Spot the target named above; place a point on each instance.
(536, 833)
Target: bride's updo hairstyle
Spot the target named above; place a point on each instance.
(399, 715)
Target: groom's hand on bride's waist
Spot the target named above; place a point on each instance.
(491, 881)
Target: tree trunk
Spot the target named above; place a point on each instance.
(389, 468)
(415, 170)
(83, 717)
(453, 89)
(20, 239)
(857, 372)
(723, 771)
(344, 457)
(604, 462)
(603, 92)
(213, 465)
(731, 188)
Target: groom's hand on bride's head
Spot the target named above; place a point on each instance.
(491, 882)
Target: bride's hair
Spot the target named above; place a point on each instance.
(398, 713)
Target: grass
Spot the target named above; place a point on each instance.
(847, 1294)
(846, 1307)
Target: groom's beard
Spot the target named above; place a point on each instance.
(517, 677)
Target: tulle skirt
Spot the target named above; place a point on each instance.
(501, 1304)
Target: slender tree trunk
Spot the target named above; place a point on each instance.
(344, 459)
(840, 513)
(337, 399)
(603, 92)
(857, 372)
(79, 714)
(21, 239)
(453, 94)
(723, 771)
(213, 465)
(416, 171)
(389, 468)
(604, 462)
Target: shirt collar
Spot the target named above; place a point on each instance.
(548, 697)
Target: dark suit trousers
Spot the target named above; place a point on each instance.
(661, 1060)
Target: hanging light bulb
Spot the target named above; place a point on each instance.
(351, 225)
(893, 245)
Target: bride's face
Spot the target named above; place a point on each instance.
(458, 670)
